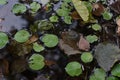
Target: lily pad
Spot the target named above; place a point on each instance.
(53, 18)
(50, 40)
(37, 47)
(86, 57)
(96, 27)
(116, 70)
(73, 68)
(3, 39)
(19, 8)
(34, 6)
(91, 38)
(106, 55)
(36, 62)
(22, 36)
(2, 2)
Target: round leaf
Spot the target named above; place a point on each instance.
(107, 15)
(96, 27)
(91, 38)
(3, 39)
(50, 40)
(36, 62)
(37, 47)
(2, 2)
(73, 69)
(53, 18)
(86, 57)
(116, 70)
(22, 36)
(19, 8)
(34, 6)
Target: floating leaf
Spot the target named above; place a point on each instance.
(106, 55)
(99, 74)
(34, 6)
(53, 18)
(36, 62)
(2, 2)
(91, 38)
(62, 12)
(50, 40)
(3, 39)
(116, 70)
(112, 78)
(86, 57)
(37, 47)
(22, 36)
(19, 8)
(67, 19)
(81, 9)
(73, 68)
(96, 27)
(107, 15)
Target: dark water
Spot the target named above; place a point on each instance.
(11, 21)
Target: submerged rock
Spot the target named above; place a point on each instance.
(106, 55)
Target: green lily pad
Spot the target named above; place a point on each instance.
(53, 18)
(99, 74)
(19, 8)
(36, 62)
(37, 47)
(96, 27)
(3, 39)
(116, 70)
(67, 19)
(22, 36)
(2, 2)
(50, 40)
(34, 6)
(91, 38)
(73, 68)
(107, 15)
(86, 57)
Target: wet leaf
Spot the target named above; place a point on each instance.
(107, 15)
(19, 49)
(106, 55)
(83, 44)
(34, 6)
(116, 70)
(3, 39)
(112, 78)
(98, 9)
(73, 68)
(67, 48)
(86, 57)
(19, 8)
(37, 47)
(81, 9)
(53, 18)
(2, 2)
(36, 62)
(50, 40)
(96, 27)
(91, 38)
(99, 74)
(22, 36)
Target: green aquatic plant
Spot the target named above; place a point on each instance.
(50, 40)
(73, 68)
(34, 6)
(53, 18)
(107, 15)
(91, 38)
(96, 27)
(36, 62)
(86, 57)
(2, 2)
(37, 47)
(116, 70)
(112, 78)
(99, 74)
(19, 8)
(3, 39)
(22, 36)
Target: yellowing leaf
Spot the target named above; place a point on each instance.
(81, 9)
